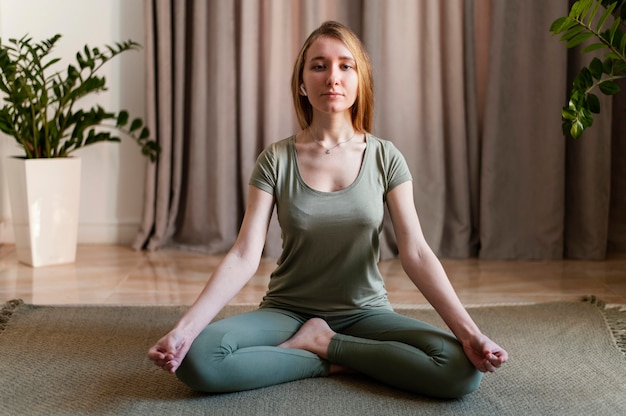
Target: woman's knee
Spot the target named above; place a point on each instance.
(202, 379)
(201, 367)
(458, 376)
(463, 383)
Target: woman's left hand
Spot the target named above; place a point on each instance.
(486, 355)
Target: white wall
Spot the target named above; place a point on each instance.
(112, 173)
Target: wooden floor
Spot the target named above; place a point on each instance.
(120, 276)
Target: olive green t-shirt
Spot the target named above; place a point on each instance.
(330, 239)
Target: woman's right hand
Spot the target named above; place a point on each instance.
(233, 272)
(169, 352)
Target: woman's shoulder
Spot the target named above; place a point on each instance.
(278, 149)
(282, 144)
(270, 162)
(383, 146)
(391, 160)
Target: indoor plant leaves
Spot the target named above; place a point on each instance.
(40, 108)
(602, 21)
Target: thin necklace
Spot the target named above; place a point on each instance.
(327, 149)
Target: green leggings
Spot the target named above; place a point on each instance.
(240, 353)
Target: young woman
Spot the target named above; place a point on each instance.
(326, 309)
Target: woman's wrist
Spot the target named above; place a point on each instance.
(465, 332)
(188, 327)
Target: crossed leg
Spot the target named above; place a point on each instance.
(394, 349)
(272, 346)
(241, 353)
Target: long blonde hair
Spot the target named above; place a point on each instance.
(363, 107)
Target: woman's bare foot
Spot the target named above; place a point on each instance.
(313, 336)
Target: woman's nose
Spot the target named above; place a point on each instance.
(333, 79)
(333, 76)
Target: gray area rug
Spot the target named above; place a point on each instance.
(566, 359)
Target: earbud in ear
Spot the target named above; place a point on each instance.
(302, 90)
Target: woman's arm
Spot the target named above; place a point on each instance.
(233, 272)
(427, 273)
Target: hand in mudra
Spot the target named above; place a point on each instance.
(486, 355)
(169, 352)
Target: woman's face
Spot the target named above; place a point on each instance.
(329, 76)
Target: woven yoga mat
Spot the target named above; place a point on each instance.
(565, 359)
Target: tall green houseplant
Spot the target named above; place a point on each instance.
(593, 25)
(41, 108)
(43, 111)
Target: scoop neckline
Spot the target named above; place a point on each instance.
(294, 156)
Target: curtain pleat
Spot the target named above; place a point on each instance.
(523, 149)
(617, 208)
(419, 93)
(469, 90)
(163, 178)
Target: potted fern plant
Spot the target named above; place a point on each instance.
(42, 113)
(599, 24)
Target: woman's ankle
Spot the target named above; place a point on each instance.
(313, 336)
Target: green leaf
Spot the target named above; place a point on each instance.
(584, 79)
(122, 118)
(567, 24)
(619, 68)
(613, 31)
(609, 87)
(82, 63)
(51, 62)
(594, 47)
(568, 114)
(594, 103)
(578, 39)
(565, 127)
(617, 38)
(56, 87)
(595, 67)
(585, 8)
(136, 124)
(145, 133)
(558, 25)
(586, 118)
(593, 12)
(577, 129)
(572, 33)
(72, 72)
(578, 8)
(605, 16)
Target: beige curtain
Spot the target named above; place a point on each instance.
(522, 147)
(470, 91)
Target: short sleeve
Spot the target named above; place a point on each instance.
(396, 169)
(264, 173)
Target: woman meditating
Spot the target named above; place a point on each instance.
(326, 309)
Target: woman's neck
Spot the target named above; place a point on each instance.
(331, 129)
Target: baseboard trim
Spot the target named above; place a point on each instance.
(88, 233)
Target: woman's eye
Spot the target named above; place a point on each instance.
(318, 67)
(346, 67)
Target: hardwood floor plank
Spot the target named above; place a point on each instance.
(117, 275)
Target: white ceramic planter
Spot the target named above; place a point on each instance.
(44, 196)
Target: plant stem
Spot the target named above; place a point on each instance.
(600, 37)
(608, 78)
